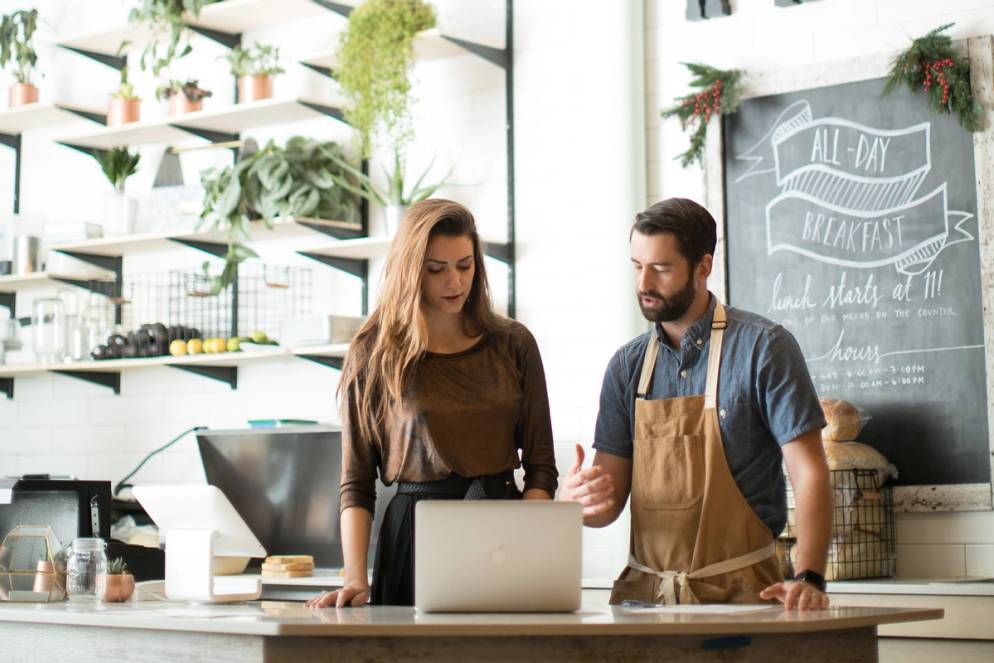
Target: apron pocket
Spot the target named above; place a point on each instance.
(669, 472)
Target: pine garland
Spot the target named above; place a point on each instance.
(720, 94)
(932, 66)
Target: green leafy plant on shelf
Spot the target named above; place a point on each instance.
(16, 33)
(257, 60)
(169, 38)
(362, 185)
(931, 65)
(190, 89)
(118, 164)
(300, 179)
(375, 58)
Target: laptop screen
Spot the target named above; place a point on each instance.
(284, 483)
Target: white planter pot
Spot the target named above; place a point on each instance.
(392, 215)
(120, 214)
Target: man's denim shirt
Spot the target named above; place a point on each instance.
(765, 399)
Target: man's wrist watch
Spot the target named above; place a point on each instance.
(814, 579)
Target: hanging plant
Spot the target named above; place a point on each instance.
(932, 66)
(169, 39)
(375, 57)
(720, 94)
(296, 180)
(16, 32)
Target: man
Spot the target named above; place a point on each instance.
(696, 418)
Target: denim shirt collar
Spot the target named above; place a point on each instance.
(698, 333)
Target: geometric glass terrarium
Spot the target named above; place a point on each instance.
(32, 565)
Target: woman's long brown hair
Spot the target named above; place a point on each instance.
(385, 351)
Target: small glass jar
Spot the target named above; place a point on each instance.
(87, 570)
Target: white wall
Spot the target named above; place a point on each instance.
(761, 36)
(580, 179)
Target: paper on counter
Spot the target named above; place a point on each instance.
(703, 609)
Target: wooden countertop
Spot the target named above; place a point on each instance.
(273, 618)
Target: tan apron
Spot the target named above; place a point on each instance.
(695, 539)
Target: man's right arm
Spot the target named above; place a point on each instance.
(603, 487)
(620, 471)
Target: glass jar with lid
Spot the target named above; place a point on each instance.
(86, 570)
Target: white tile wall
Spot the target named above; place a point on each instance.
(762, 36)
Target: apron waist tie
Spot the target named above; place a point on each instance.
(668, 587)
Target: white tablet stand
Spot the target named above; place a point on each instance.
(199, 523)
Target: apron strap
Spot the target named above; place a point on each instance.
(648, 364)
(714, 356)
(667, 592)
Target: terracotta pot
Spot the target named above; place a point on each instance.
(22, 94)
(123, 111)
(179, 104)
(118, 587)
(254, 88)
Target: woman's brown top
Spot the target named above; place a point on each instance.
(467, 414)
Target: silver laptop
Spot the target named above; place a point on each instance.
(497, 556)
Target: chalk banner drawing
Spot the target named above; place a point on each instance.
(829, 209)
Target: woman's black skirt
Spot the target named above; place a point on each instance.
(393, 568)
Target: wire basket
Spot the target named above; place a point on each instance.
(864, 543)
(264, 295)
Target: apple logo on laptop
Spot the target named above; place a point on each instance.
(498, 556)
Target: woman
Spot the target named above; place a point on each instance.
(439, 394)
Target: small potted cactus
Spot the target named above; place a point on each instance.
(118, 583)
(125, 105)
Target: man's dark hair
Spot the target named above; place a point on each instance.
(691, 224)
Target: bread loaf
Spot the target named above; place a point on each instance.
(845, 420)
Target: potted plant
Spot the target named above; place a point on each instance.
(375, 57)
(125, 105)
(168, 37)
(394, 199)
(296, 180)
(118, 584)
(120, 212)
(254, 67)
(183, 97)
(16, 32)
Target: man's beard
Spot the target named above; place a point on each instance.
(673, 307)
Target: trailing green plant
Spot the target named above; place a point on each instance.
(931, 65)
(190, 89)
(375, 57)
(362, 185)
(118, 164)
(720, 94)
(117, 566)
(16, 32)
(300, 179)
(257, 60)
(169, 38)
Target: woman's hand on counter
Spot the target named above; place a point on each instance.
(796, 595)
(349, 596)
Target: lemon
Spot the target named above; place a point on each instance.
(177, 348)
(194, 346)
(234, 344)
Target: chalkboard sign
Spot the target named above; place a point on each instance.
(852, 219)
